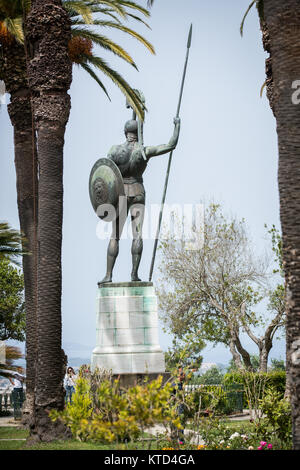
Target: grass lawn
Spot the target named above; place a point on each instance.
(17, 442)
(238, 424)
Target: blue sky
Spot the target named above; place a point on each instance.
(227, 149)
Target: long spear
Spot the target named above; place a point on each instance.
(170, 157)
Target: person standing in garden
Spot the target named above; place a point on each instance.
(69, 384)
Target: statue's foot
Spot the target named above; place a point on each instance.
(107, 278)
(134, 277)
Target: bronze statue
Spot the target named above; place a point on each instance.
(120, 175)
(132, 158)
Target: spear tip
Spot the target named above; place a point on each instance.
(190, 36)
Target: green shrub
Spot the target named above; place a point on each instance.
(277, 422)
(259, 382)
(108, 413)
(276, 381)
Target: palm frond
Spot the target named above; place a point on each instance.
(26, 4)
(135, 6)
(89, 70)
(79, 8)
(125, 29)
(245, 16)
(14, 26)
(126, 89)
(137, 18)
(11, 243)
(104, 42)
(114, 5)
(262, 88)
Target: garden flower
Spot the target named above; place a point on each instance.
(263, 443)
(233, 436)
(270, 446)
(250, 448)
(244, 437)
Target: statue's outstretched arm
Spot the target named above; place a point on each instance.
(165, 148)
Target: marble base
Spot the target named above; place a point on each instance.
(127, 329)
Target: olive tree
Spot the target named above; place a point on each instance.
(220, 288)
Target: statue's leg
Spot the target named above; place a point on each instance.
(113, 246)
(137, 212)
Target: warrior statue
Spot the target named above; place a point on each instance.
(131, 159)
(119, 177)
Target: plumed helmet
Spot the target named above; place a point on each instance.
(131, 126)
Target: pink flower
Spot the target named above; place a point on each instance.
(263, 443)
(260, 448)
(270, 446)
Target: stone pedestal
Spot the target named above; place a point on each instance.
(127, 329)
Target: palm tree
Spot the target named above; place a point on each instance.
(20, 110)
(13, 72)
(49, 72)
(280, 23)
(83, 14)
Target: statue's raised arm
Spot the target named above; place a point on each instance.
(154, 151)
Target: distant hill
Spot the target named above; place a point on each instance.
(78, 361)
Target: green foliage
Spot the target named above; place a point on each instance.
(255, 385)
(85, 15)
(212, 376)
(211, 398)
(12, 313)
(277, 364)
(12, 354)
(277, 422)
(77, 415)
(223, 287)
(255, 362)
(275, 379)
(185, 352)
(119, 415)
(218, 435)
(10, 243)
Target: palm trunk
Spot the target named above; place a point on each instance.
(49, 74)
(14, 75)
(283, 22)
(20, 113)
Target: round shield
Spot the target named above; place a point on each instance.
(106, 189)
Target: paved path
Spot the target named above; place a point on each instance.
(9, 421)
(192, 436)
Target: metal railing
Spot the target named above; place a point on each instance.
(12, 402)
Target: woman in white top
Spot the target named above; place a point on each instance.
(69, 384)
